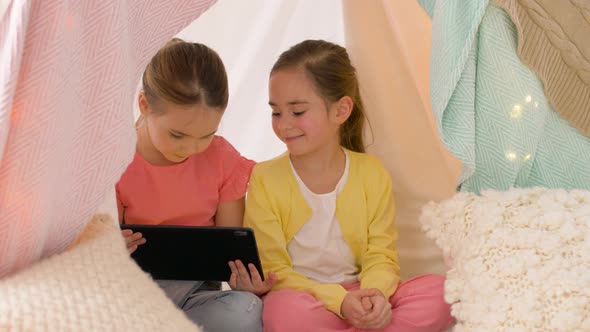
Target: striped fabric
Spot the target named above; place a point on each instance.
(68, 71)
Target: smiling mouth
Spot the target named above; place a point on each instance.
(292, 138)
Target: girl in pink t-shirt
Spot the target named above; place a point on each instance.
(183, 174)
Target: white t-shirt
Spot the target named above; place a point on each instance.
(318, 250)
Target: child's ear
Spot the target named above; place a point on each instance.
(143, 103)
(344, 108)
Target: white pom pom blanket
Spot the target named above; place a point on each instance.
(519, 260)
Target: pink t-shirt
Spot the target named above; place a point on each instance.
(187, 193)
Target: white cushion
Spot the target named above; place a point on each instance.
(93, 286)
(519, 260)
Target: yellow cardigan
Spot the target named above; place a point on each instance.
(276, 210)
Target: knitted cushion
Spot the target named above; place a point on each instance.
(93, 286)
(519, 260)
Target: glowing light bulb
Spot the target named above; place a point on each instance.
(516, 111)
(510, 155)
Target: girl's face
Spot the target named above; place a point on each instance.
(179, 131)
(300, 117)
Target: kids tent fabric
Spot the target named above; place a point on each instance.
(66, 120)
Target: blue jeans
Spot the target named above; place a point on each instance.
(215, 310)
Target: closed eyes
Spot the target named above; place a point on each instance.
(176, 136)
(295, 113)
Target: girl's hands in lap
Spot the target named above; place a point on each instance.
(353, 307)
(366, 309)
(379, 313)
(240, 279)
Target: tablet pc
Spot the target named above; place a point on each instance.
(194, 253)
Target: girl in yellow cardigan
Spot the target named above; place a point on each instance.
(323, 213)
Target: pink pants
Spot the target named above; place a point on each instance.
(417, 306)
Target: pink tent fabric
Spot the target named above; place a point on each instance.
(68, 73)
